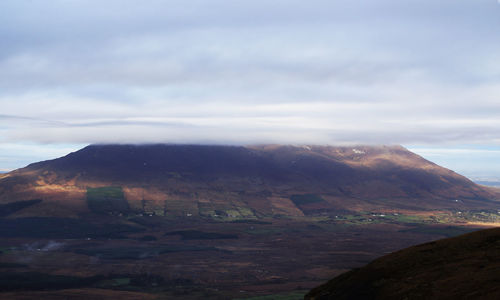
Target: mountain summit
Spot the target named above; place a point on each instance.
(241, 181)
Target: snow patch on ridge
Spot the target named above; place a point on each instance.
(357, 151)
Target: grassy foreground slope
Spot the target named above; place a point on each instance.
(463, 267)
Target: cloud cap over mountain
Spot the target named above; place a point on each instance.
(245, 72)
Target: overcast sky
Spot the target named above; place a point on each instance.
(422, 73)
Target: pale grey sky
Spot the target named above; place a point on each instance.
(422, 73)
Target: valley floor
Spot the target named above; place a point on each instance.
(192, 258)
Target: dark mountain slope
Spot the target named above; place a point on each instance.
(133, 163)
(464, 267)
(260, 179)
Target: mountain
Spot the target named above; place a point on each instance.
(238, 182)
(464, 267)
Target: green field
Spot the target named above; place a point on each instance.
(305, 199)
(107, 200)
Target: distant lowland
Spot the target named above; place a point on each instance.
(494, 183)
(221, 222)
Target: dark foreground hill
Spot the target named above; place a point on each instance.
(239, 182)
(464, 267)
